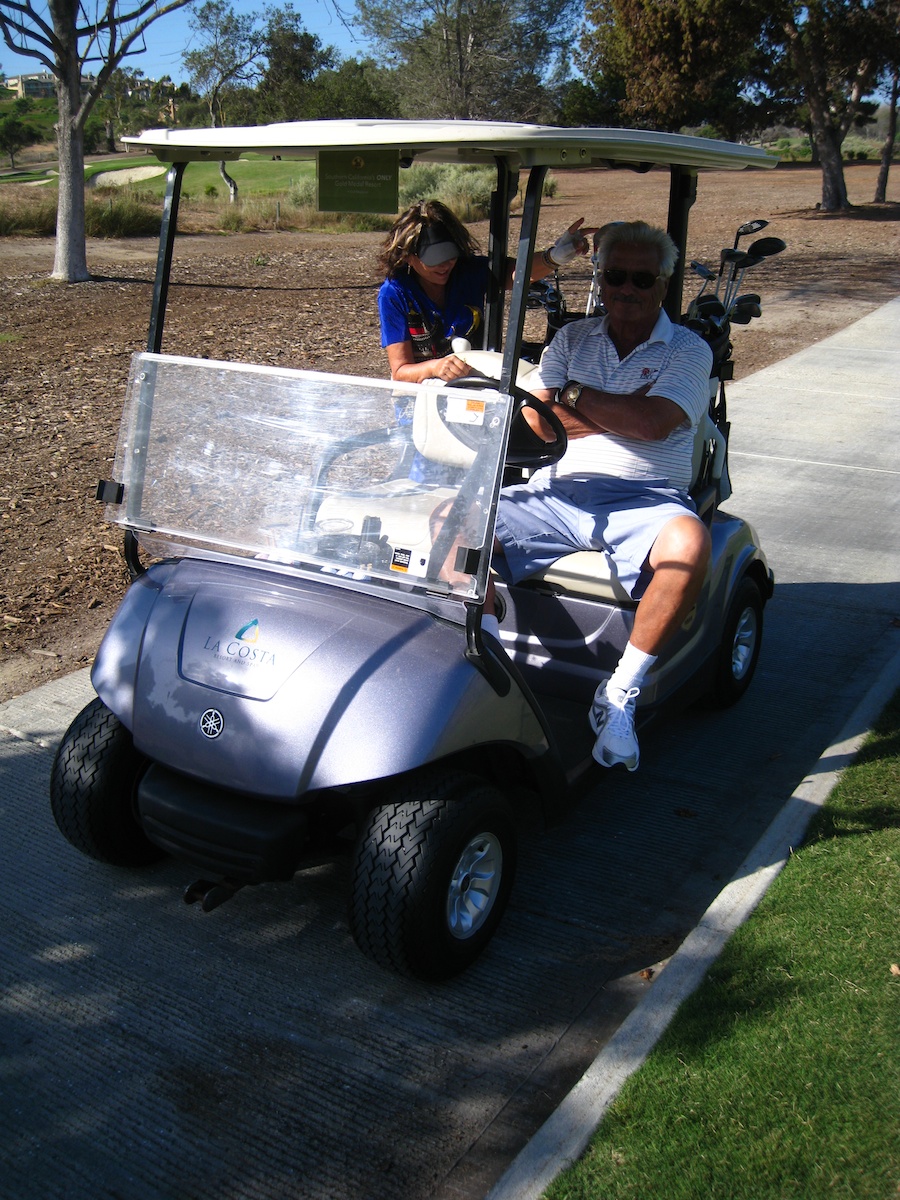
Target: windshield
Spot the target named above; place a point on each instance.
(394, 484)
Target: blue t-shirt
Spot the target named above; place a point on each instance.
(408, 315)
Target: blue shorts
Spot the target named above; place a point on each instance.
(541, 521)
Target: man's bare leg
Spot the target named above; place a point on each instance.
(678, 558)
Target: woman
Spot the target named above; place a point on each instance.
(435, 287)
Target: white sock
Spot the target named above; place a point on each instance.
(490, 624)
(632, 669)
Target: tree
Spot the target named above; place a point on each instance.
(596, 101)
(227, 57)
(294, 58)
(471, 59)
(352, 90)
(119, 107)
(685, 62)
(62, 36)
(725, 64)
(15, 135)
(226, 60)
(887, 150)
(834, 50)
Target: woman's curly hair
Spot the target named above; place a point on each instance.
(404, 236)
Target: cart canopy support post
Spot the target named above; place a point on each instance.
(682, 194)
(498, 242)
(164, 257)
(527, 238)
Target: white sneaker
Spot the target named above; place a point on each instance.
(612, 719)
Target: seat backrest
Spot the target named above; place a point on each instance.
(708, 466)
(489, 362)
(433, 436)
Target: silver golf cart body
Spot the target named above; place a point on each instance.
(305, 646)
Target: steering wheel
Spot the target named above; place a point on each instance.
(525, 447)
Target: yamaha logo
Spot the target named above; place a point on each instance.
(212, 723)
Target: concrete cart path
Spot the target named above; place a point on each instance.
(152, 1051)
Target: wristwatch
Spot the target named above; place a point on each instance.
(569, 394)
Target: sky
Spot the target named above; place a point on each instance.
(168, 38)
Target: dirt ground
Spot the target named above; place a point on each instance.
(308, 300)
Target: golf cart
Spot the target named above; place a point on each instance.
(299, 660)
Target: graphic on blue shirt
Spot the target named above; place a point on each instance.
(408, 315)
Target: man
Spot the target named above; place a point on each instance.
(630, 389)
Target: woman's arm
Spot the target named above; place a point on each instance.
(405, 369)
(573, 242)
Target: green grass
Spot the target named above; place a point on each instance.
(272, 194)
(778, 1079)
(256, 176)
(855, 148)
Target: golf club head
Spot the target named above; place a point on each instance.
(729, 258)
(766, 247)
(747, 228)
(703, 271)
(742, 314)
(710, 306)
(747, 298)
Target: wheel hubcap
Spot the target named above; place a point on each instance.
(474, 885)
(744, 643)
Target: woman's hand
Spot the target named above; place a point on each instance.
(451, 367)
(405, 369)
(570, 244)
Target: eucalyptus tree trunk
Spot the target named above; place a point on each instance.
(834, 185)
(887, 150)
(232, 183)
(70, 263)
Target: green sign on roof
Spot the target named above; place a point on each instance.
(361, 180)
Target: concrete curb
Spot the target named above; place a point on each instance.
(565, 1135)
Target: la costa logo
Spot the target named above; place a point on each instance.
(242, 648)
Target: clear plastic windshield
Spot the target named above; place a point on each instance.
(357, 477)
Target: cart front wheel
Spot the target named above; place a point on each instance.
(432, 876)
(93, 786)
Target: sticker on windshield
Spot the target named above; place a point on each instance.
(408, 563)
(465, 410)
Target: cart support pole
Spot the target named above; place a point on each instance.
(521, 284)
(507, 181)
(164, 257)
(682, 194)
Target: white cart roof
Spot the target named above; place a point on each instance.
(455, 141)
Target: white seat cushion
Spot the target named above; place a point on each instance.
(586, 573)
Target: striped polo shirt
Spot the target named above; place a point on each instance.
(676, 363)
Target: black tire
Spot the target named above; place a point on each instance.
(93, 787)
(740, 645)
(413, 906)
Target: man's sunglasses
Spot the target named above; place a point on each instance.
(616, 276)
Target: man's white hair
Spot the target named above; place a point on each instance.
(638, 233)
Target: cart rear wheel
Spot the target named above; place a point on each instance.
(432, 876)
(740, 645)
(93, 784)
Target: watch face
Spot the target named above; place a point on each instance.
(571, 394)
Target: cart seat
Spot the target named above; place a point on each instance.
(591, 573)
